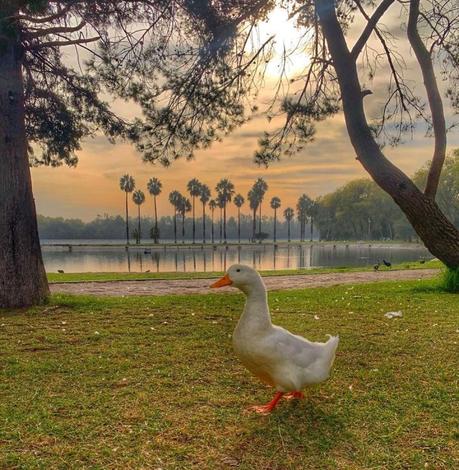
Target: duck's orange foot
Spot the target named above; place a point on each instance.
(294, 396)
(266, 409)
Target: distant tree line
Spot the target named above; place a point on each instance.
(359, 210)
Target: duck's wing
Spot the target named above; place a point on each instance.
(294, 348)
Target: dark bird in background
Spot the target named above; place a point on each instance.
(387, 263)
(61, 271)
(147, 271)
(422, 261)
(376, 266)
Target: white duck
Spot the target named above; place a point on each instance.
(277, 357)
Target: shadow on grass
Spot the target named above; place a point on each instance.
(300, 428)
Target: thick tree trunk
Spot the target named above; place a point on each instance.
(22, 274)
(439, 235)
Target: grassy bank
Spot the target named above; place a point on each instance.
(87, 277)
(153, 383)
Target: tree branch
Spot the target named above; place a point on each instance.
(70, 42)
(55, 30)
(46, 19)
(433, 95)
(371, 25)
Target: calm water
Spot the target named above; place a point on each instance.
(189, 259)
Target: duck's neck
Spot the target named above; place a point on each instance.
(256, 310)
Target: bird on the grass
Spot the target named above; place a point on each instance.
(285, 361)
(387, 263)
(60, 271)
(376, 266)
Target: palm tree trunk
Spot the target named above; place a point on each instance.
(175, 227)
(275, 220)
(183, 228)
(239, 224)
(22, 275)
(221, 225)
(254, 224)
(312, 229)
(259, 219)
(203, 222)
(127, 219)
(224, 222)
(194, 221)
(139, 234)
(156, 221)
(288, 230)
(213, 238)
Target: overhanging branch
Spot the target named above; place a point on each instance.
(433, 95)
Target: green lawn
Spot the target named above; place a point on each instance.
(131, 383)
(87, 277)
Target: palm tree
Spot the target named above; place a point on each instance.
(225, 190)
(184, 206)
(260, 187)
(313, 209)
(154, 187)
(174, 199)
(194, 188)
(212, 206)
(221, 205)
(303, 206)
(204, 197)
(252, 196)
(127, 184)
(139, 198)
(238, 202)
(289, 213)
(275, 204)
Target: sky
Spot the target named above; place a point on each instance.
(92, 188)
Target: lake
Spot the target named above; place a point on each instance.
(217, 258)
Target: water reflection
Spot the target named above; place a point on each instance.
(219, 258)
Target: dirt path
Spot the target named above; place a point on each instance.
(201, 286)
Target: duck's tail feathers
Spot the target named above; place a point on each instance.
(332, 345)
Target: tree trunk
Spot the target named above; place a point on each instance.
(213, 238)
(139, 233)
(127, 219)
(175, 227)
(203, 222)
(288, 229)
(22, 275)
(156, 221)
(194, 222)
(439, 235)
(312, 229)
(239, 224)
(254, 224)
(183, 228)
(224, 222)
(275, 220)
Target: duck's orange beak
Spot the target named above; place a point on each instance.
(224, 281)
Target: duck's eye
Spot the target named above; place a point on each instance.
(238, 270)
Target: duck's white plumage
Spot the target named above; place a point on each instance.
(279, 358)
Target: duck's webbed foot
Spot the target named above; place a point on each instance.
(294, 396)
(266, 409)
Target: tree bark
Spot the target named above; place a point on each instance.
(22, 275)
(275, 220)
(156, 221)
(439, 235)
(203, 222)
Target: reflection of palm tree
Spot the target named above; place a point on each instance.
(139, 198)
(194, 188)
(204, 196)
(275, 204)
(127, 184)
(289, 214)
(212, 206)
(225, 190)
(238, 202)
(303, 207)
(154, 187)
(174, 198)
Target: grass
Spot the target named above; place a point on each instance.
(451, 280)
(88, 277)
(94, 383)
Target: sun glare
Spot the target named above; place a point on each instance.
(288, 54)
